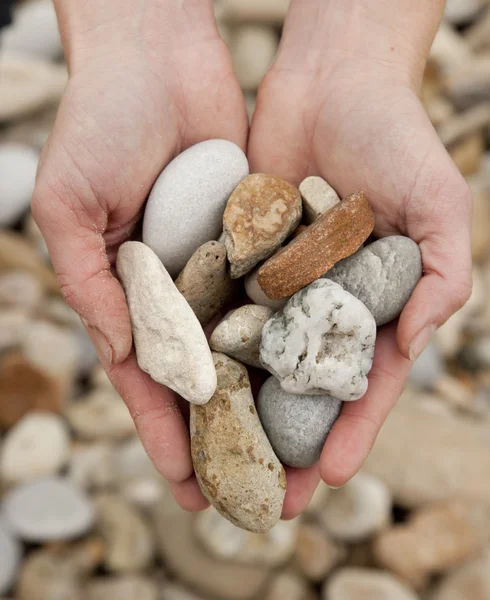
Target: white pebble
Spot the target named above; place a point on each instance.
(18, 166)
(36, 446)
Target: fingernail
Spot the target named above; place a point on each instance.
(104, 349)
(332, 487)
(420, 341)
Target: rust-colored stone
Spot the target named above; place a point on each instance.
(261, 213)
(24, 388)
(334, 236)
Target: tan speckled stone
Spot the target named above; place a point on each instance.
(335, 235)
(261, 213)
(205, 282)
(234, 462)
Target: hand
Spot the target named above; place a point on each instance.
(345, 106)
(143, 87)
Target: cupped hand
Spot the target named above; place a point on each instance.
(358, 122)
(131, 105)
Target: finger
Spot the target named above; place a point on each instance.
(276, 145)
(301, 486)
(358, 425)
(158, 420)
(78, 254)
(188, 495)
(443, 290)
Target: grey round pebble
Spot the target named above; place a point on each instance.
(47, 510)
(186, 205)
(382, 275)
(10, 555)
(297, 426)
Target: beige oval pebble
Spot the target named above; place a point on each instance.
(205, 282)
(239, 334)
(318, 197)
(252, 50)
(235, 465)
(261, 213)
(257, 294)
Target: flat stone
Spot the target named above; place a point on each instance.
(177, 592)
(48, 509)
(129, 540)
(18, 255)
(261, 213)
(335, 235)
(21, 290)
(92, 466)
(297, 426)
(240, 333)
(353, 583)
(127, 587)
(166, 332)
(28, 85)
(226, 542)
(257, 294)
(235, 465)
(101, 415)
(34, 32)
(205, 282)
(256, 11)
(253, 48)
(382, 276)
(358, 510)
(322, 342)
(193, 565)
(53, 349)
(289, 586)
(14, 324)
(424, 481)
(434, 540)
(471, 581)
(316, 554)
(428, 368)
(59, 571)
(24, 388)
(186, 204)
(36, 446)
(318, 198)
(18, 165)
(11, 553)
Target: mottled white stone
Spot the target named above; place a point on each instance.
(239, 334)
(186, 205)
(18, 165)
(318, 197)
(170, 343)
(37, 445)
(321, 342)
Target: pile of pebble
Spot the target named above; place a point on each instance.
(83, 514)
(318, 347)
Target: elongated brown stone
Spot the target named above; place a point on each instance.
(333, 236)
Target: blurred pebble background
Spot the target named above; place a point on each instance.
(83, 515)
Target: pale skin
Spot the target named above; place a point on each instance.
(149, 78)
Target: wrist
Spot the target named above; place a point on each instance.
(153, 27)
(385, 38)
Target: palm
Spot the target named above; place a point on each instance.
(366, 135)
